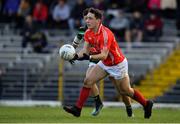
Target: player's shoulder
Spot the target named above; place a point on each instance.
(87, 32)
(106, 29)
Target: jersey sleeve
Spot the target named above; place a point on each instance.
(79, 37)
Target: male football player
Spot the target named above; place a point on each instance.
(94, 90)
(112, 62)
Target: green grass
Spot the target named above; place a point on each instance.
(108, 115)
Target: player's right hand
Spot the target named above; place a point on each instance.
(85, 57)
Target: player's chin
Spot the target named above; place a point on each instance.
(89, 26)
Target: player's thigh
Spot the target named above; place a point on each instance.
(113, 81)
(89, 70)
(90, 66)
(124, 86)
(94, 89)
(95, 75)
(116, 84)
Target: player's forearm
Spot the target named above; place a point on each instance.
(76, 42)
(100, 56)
(81, 52)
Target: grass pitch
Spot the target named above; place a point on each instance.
(44, 114)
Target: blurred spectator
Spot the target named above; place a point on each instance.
(168, 4)
(120, 26)
(1, 10)
(27, 31)
(11, 6)
(31, 35)
(23, 11)
(99, 4)
(89, 3)
(24, 8)
(40, 14)
(137, 26)
(48, 2)
(77, 20)
(140, 5)
(50, 21)
(168, 8)
(154, 5)
(51, 6)
(116, 4)
(153, 27)
(10, 10)
(39, 42)
(1, 5)
(61, 14)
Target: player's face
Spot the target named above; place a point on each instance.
(85, 17)
(91, 21)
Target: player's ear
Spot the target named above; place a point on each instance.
(99, 20)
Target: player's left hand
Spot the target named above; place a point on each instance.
(85, 57)
(72, 61)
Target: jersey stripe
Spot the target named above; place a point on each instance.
(112, 57)
(105, 36)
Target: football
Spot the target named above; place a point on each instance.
(67, 52)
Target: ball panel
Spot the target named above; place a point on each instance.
(67, 52)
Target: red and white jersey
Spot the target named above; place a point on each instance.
(104, 38)
(93, 51)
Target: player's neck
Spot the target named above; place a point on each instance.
(95, 30)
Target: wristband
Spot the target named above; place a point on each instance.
(77, 41)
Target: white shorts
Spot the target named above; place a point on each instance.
(118, 71)
(92, 64)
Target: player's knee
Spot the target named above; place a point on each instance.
(126, 91)
(123, 93)
(88, 82)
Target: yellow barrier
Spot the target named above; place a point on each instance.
(60, 80)
(101, 89)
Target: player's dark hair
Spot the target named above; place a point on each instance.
(85, 12)
(98, 13)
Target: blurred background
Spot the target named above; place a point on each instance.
(32, 31)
